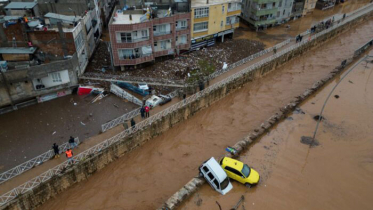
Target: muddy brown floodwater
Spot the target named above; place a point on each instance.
(277, 34)
(147, 176)
(337, 174)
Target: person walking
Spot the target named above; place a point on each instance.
(72, 142)
(184, 97)
(147, 111)
(133, 123)
(56, 150)
(274, 50)
(142, 112)
(69, 155)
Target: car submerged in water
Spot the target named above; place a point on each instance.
(239, 171)
(215, 176)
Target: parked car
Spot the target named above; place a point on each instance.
(239, 171)
(153, 101)
(215, 176)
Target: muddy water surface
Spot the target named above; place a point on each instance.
(337, 174)
(146, 177)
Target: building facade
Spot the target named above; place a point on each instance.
(212, 20)
(309, 6)
(260, 13)
(284, 10)
(140, 35)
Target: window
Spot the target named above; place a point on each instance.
(234, 7)
(201, 12)
(210, 176)
(205, 169)
(234, 171)
(144, 33)
(222, 9)
(283, 13)
(79, 41)
(56, 77)
(164, 44)
(125, 37)
(280, 4)
(200, 26)
(221, 24)
(232, 20)
(216, 183)
(155, 44)
(181, 39)
(125, 54)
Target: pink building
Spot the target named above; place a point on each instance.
(140, 35)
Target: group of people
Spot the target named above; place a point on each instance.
(68, 152)
(145, 111)
(298, 38)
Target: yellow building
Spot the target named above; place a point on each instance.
(212, 20)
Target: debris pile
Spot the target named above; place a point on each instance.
(228, 52)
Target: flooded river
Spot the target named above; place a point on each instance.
(147, 176)
(337, 174)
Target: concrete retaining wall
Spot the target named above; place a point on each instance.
(86, 168)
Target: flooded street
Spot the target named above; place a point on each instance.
(280, 33)
(31, 131)
(337, 174)
(147, 176)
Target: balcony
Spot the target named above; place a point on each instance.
(161, 33)
(265, 1)
(181, 28)
(268, 21)
(261, 12)
(136, 60)
(135, 40)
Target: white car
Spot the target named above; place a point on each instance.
(143, 86)
(215, 176)
(153, 101)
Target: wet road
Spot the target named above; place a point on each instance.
(277, 34)
(146, 177)
(337, 174)
(31, 131)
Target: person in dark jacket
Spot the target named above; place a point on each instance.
(142, 111)
(133, 123)
(72, 142)
(56, 150)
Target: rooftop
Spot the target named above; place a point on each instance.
(64, 18)
(202, 3)
(120, 18)
(17, 50)
(20, 5)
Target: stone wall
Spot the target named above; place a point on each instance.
(86, 168)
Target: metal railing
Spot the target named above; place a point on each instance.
(113, 123)
(124, 94)
(9, 174)
(363, 48)
(5, 198)
(132, 78)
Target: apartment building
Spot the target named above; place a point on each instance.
(309, 6)
(157, 29)
(261, 13)
(212, 20)
(297, 10)
(284, 9)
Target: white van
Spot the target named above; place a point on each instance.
(215, 176)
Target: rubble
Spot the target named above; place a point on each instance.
(178, 68)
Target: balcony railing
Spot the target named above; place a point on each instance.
(135, 56)
(181, 28)
(135, 40)
(160, 33)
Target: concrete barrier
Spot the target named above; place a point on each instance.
(82, 171)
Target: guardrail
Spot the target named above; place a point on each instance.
(38, 160)
(124, 94)
(113, 123)
(5, 198)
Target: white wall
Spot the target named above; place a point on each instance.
(49, 82)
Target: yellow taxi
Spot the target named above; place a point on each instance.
(239, 171)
